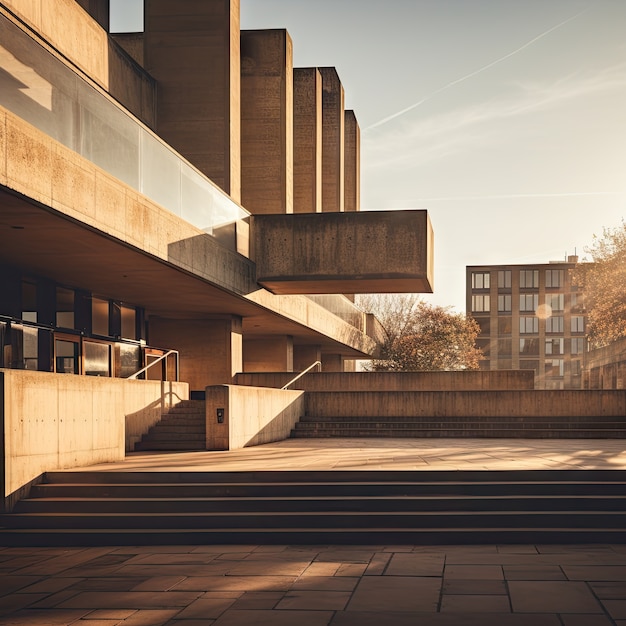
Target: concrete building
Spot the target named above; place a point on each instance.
(532, 317)
(155, 208)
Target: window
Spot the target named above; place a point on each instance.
(504, 279)
(554, 324)
(504, 347)
(529, 346)
(578, 324)
(529, 279)
(528, 302)
(29, 301)
(576, 367)
(129, 327)
(480, 304)
(485, 325)
(64, 307)
(485, 346)
(554, 367)
(480, 280)
(578, 345)
(577, 302)
(505, 325)
(554, 278)
(504, 302)
(528, 325)
(528, 364)
(555, 301)
(555, 346)
(100, 317)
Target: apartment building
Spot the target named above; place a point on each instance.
(531, 317)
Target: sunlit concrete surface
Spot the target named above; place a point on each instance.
(401, 454)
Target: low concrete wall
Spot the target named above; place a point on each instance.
(251, 415)
(59, 421)
(394, 381)
(467, 403)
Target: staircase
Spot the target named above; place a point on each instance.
(183, 427)
(92, 508)
(536, 426)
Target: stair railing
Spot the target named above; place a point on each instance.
(157, 360)
(302, 373)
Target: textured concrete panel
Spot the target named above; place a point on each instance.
(3, 148)
(307, 140)
(332, 141)
(266, 121)
(352, 156)
(271, 354)
(369, 252)
(192, 49)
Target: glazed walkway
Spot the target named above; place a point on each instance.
(542, 585)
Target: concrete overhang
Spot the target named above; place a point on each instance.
(363, 252)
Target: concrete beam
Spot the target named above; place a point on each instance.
(368, 252)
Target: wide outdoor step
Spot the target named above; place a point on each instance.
(169, 445)
(181, 507)
(445, 419)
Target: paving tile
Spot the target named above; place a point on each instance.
(345, 555)
(473, 572)
(29, 617)
(396, 593)
(477, 587)
(615, 608)
(47, 601)
(475, 604)
(152, 617)
(314, 600)
(325, 583)
(359, 618)
(415, 565)
(261, 568)
(115, 583)
(171, 558)
(205, 608)
(552, 597)
(148, 571)
(595, 572)
(118, 614)
(609, 590)
(378, 564)
(274, 618)
(517, 549)
(586, 620)
(130, 600)
(321, 569)
(158, 583)
(236, 583)
(258, 600)
(11, 584)
(351, 569)
(533, 572)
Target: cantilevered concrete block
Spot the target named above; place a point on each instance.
(366, 252)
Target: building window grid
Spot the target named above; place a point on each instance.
(529, 279)
(554, 324)
(481, 280)
(481, 304)
(528, 302)
(528, 325)
(578, 324)
(554, 278)
(556, 301)
(504, 303)
(504, 279)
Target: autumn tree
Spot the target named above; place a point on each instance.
(420, 336)
(604, 286)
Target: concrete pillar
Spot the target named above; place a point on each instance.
(273, 354)
(332, 363)
(307, 140)
(352, 165)
(192, 50)
(303, 356)
(266, 121)
(332, 141)
(98, 9)
(210, 351)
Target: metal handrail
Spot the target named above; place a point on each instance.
(302, 373)
(147, 367)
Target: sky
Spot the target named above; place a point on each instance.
(505, 119)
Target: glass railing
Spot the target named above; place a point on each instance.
(342, 307)
(40, 89)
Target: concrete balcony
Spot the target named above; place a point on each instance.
(365, 252)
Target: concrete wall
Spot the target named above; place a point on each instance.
(60, 421)
(352, 163)
(364, 252)
(394, 381)
(252, 416)
(268, 354)
(605, 368)
(467, 403)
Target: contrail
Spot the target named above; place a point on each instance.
(512, 196)
(475, 72)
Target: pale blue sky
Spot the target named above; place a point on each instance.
(506, 119)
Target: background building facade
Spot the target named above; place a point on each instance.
(531, 317)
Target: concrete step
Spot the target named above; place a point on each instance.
(109, 508)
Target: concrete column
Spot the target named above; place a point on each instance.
(192, 50)
(332, 141)
(266, 121)
(352, 156)
(273, 354)
(303, 356)
(210, 350)
(307, 140)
